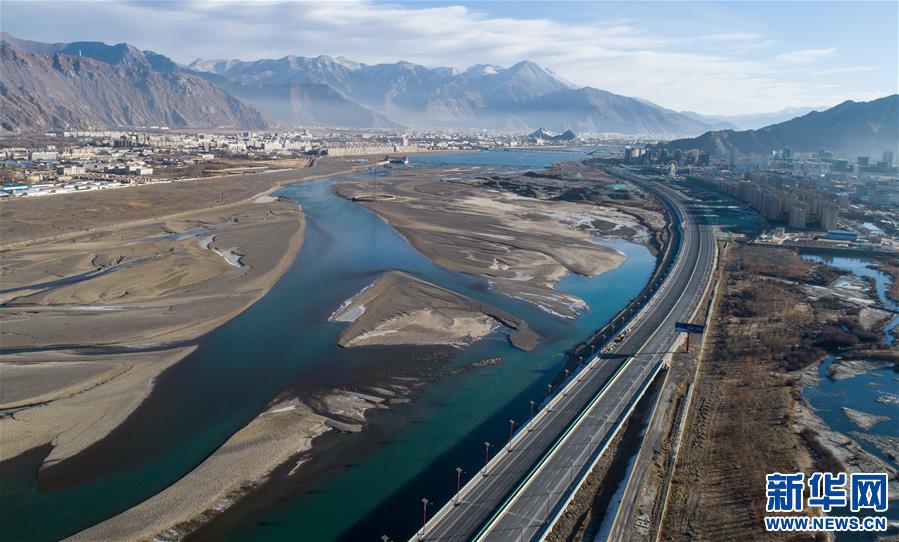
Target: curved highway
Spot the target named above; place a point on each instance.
(528, 481)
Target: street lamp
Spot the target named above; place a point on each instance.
(511, 432)
(459, 472)
(424, 515)
(486, 456)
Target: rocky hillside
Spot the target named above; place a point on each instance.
(524, 96)
(53, 90)
(592, 110)
(94, 84)
(852, 127)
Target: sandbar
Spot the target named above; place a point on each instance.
(400, 309)
(523, 245)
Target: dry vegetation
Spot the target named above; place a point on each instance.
(739, 427)
(891, 267)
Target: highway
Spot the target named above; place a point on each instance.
(527, 481)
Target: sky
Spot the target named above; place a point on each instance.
(716, 58)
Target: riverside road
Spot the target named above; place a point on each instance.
(527, 482)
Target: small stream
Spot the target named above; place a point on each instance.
(867, 392)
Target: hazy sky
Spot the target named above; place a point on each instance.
(709, 57)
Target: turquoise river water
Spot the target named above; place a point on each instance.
(367, 484)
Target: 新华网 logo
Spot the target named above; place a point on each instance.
(826, 491)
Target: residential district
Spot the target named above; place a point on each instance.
(820, 199)
(817, 199)
(66, 162)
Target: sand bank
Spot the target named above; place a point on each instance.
(282, 433)
(843, 369)
(401, 309)
(851, 456)
(153, 288)
(88, 398)
(523, 245)
(94, 287)
(863, 419)
(843, 448)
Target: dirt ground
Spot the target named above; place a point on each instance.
(891, 267)
(131, 274)
(524, 233)
(26, 221)
(741, 423)
(400, 309)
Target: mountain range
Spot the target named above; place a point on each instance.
(751, 121)
(92, 85)
(95, 85)
(521, 97)
(856, 128)
(84, 84)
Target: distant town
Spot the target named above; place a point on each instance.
(814, 199)
(70, 162)
(822, 199)
(441, 272)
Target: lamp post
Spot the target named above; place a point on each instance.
(486, 456)
(459, 472)
(511, 432)
(424, 517)
(533, 405)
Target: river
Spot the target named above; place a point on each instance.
(862, 391)
(371, 483)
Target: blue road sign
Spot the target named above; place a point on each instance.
(689, 328)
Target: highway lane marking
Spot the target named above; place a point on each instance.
(692, 300)
(476, 484)
(553, 448)
(669, 282)
(615, 531)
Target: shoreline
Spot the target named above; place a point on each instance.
(841, 447)
(830, 444)
(261, 469)
(138, 377)
(554, 237)
(45, 418)
(273, 486)
(399, 309)
(283, 439)
(279, 183)
(283, 433)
